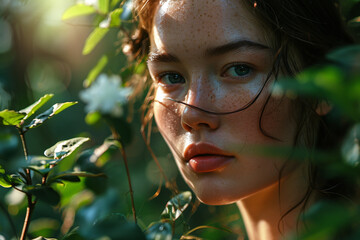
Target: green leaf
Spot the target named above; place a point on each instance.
(69, 178)
(176, 206)
(73, 235)
(40, 164)
(59, 107)
(99, 151)
(39, 161)
(42, 238)
(16, 180)
(41, 170)
(93, 39)
(4, 178)
(96, 70)
(74, 176)
(5, 181)
(64, 148)
(55, 109)
(45, 194)
(30, 110)
(104, 6)
(159, 231)
(115, 20)
(114, 3)
(11, 117)
(92, 118)
(78, 10)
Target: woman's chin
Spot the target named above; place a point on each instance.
(214, 198)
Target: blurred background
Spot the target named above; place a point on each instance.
(40, 53)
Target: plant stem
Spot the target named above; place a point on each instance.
(23, 142)
(31, 204)
(29, 211)
(117, 138)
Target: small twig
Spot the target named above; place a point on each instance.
(122, 150)
(23, 142)
(31, 204)
(9, 219)
(45, 177)
(29, 211)
(18, 189)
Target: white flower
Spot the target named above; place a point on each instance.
(106, 95)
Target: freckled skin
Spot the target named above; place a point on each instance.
(187, 32)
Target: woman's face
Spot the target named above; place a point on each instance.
(215, 56)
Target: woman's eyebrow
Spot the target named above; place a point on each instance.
(162, 57)
(215, 51)
(219, 50)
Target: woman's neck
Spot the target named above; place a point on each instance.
(265, 212)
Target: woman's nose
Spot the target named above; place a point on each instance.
(194, 117)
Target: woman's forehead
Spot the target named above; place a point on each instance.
(187, 24)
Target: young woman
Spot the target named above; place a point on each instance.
(212, 63)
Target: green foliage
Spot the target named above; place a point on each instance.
(10, 117)
(114, 16)
(30, 110)
(44, 193)
(28, 183)
(104, 6)
(55, 109)
(338, 82)
(64, 148)
(93, 39)
(78, 10)
(176, 206)
(96, 70)
(108, 16)
(4, 179)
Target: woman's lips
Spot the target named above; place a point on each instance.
(205, 157)
(208, 163)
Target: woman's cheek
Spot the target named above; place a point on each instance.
(167, 117)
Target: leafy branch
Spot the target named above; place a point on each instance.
(24, 180)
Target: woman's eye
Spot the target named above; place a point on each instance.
(236, 71)
(171, 78)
